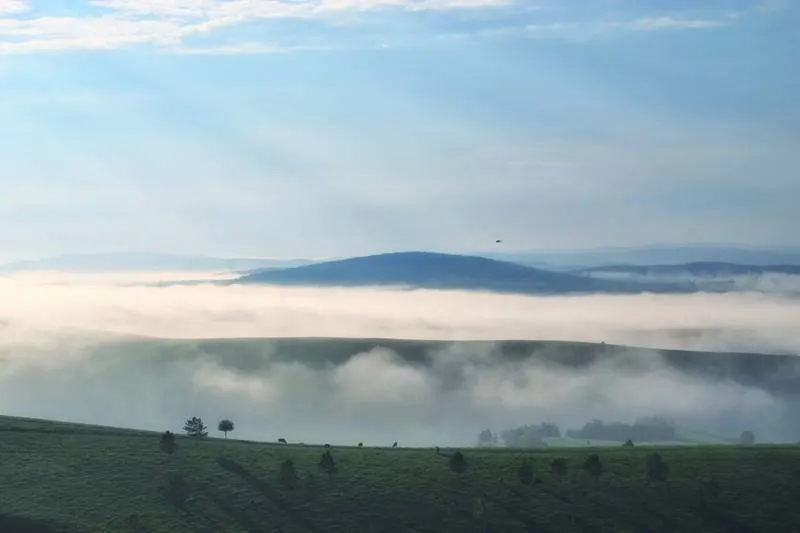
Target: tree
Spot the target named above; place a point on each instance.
(458, 463)
(558, 466)
(195, 428)
(289, 476)
(593, 466)
(167, 443)
(748, 438)
(525, 473)
(225, 426)
(327, 464)
(485, 438)
(657, 469)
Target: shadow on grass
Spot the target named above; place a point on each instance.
(270, 494)
(18, 524)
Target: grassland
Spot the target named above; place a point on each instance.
(67, 477)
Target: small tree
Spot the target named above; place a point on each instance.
(593, 466)
(525, 473)
(485, 438)
(458, 463)
(225, 426)
(167, 443)
(195, 428)
(327, 464)
(288, 474)
(558, 466)
(657, 469)
(747, 438)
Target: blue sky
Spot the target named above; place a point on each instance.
(336, 127)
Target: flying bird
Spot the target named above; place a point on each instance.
(498, 241)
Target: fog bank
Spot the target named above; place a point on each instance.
(60, 357)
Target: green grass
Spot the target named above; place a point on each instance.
(69, 477)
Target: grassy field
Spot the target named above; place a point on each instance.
(68, 477)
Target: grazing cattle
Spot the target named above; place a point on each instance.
(281, 441)
(327, 445)
(360, 444)
(394, 445)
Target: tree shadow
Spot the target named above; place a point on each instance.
(19, 524)
(270, 494)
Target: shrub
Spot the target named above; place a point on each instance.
(458, 463)
(525, 473)
(167, 443)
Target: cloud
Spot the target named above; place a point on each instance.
(62, 356)
(174, 25)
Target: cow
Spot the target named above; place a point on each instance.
(360, 444)
(282, 441)
(327, 445)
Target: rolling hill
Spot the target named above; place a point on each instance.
(446, 271)
(67, 478)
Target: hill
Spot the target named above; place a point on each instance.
(651, 255)
(699, 269)
(444, 271)
(80, 479)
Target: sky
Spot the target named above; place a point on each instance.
(315, 128)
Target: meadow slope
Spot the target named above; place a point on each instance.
(73, 478)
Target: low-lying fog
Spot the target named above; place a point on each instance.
(56, 360)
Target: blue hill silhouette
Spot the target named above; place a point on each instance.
(444, 271)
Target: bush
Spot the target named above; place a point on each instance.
(525, 473)
(458, 463)
(657, 469)
(558, 466)
(327, 464)
(167, 443)
(593, 466)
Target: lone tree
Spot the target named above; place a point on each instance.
(458, 463)
(195, 428)
(327, 464)
(485, 438)
(225, 426)
(288, 474)
(167, 443)
(748, 438)
(525, 473)
(593, 466)
(657, 469)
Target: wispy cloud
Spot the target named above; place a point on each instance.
(170, 24)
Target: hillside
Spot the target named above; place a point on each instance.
(651, 255)
(79, 479)
(444, 271)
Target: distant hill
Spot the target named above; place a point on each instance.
(650, 255)
(445, 271)
(117, 262)
(700, 269)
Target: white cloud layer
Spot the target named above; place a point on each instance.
(51, 365)
(168, 24)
